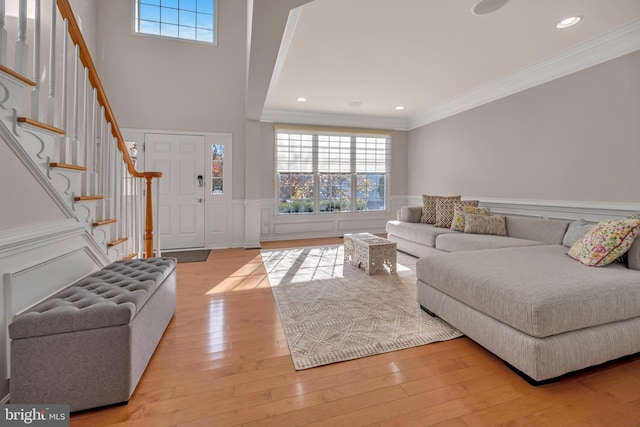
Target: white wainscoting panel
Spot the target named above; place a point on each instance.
(36, 262)
(551, 209)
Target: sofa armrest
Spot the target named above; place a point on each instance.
(410, 213)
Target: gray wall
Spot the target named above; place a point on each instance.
(156, 83)
(576, 138)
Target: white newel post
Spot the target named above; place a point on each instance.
(22, 48)
(3, 34)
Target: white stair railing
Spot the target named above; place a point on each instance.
(75, 109)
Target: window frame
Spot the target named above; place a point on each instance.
(135, 20)
(354, 172)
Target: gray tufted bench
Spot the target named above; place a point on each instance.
(89, 344)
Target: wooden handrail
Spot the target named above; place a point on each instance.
(85, 57)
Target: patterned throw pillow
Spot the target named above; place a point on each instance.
(635, 216)
(465, 206)
(444, 210)
(605, 242)
(485, 224)
(429, 207)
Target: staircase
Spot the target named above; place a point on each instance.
(56, 119)
(55, 116)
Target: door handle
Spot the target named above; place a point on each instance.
(200, 181)
(200, 200)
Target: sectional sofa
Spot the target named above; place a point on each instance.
(522, 297)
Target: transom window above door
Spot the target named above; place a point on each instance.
(193, 20)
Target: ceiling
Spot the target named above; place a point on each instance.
(356, 60)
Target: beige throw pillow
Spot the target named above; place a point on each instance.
(485, 224)
(429, 207)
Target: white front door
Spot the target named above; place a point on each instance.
(181, 160)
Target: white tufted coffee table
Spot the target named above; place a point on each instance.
(373, 253)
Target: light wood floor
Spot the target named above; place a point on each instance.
(224, 361)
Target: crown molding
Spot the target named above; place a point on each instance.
(605, 47)
(333, 119)
(609, 45)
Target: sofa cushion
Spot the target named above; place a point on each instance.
(429, 207)
(410, 213)
(464, 207)
(425, 234)
(538, 290)
(541, 230)
(485, 224)
(473, 242)
(605, 242)
(576, 230)
(633, 255)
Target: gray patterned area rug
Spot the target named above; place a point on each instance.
(333, 312)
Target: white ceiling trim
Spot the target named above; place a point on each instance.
(333, 119)
(285, 44)
(610, 45)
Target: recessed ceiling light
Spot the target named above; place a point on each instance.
(485, 7)
(568, 22)
(301, 99)
(399, 108)
(355, 104)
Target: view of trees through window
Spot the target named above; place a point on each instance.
(328, 173)
(217, 169)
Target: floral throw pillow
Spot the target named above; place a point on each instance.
(606, 242)
(465, 206)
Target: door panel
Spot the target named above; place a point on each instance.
(179, 158)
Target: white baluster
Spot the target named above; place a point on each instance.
(35, 93)
(109, 172)
(156, 217)
(103, 155)
(94, 142)
(3, 34)
(52, 117)
(22, 48)
(86, 143)
(64, 140)
(65, 75)
(75, 108)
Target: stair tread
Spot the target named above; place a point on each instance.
(67, 166)
(17, 76)
(104, 222)
(130, 256)
(117, 241)
(85, 198)
(40, 125)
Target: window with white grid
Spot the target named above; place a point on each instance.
(328, 171)
(181, 19)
